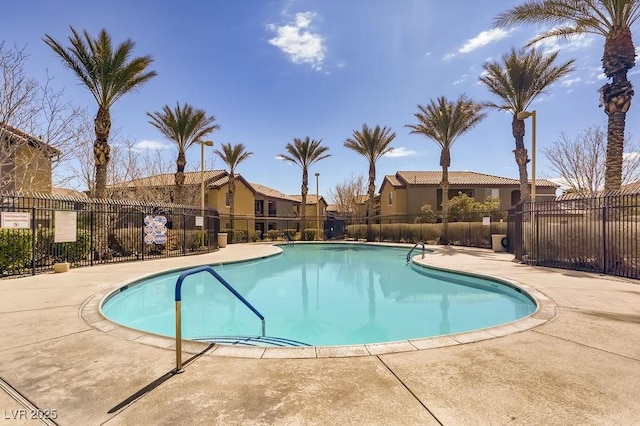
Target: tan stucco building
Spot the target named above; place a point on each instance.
(404, 193)
(25, 161)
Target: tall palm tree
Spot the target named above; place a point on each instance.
(109, 74)
(517, 80)
(183, 126)
(444, 121)
(232, 155)
(371, 144)
(305, 153)
(613, 20)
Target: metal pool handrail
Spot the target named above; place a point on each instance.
(413, 248)
(222, 281)
(287, 238)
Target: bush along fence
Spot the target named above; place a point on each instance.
(469, 230)
(599, 233)
(39, 230)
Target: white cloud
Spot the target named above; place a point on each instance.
(629, 156)
(298, 42)
(400, 152)
(484, 38)
(149, 144)
(427, 54)
(568, 82)
(462, 79)
(553, 44)
(481, 40)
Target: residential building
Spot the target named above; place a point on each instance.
(275, 210)
(316, 208)
(403, 194)
(161, 187)
(25, 161)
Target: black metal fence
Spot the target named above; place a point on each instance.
(468, 230)
(597, 234)
(39, 230)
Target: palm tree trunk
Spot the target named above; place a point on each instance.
(522, 156)
(618, 57)
(371, 190)
(445, 161)
(101, 155)
(179, 177)
(232, 194)
(101, 151)
(303, 207)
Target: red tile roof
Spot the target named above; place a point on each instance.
(459, 178)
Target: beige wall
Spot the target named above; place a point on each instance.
(398, 205)
(32, 169)
(408, 201)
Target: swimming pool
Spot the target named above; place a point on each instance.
(321, 295)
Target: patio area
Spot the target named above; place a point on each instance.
(580, 367)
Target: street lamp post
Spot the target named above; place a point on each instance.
(317, 207)
(523, 115)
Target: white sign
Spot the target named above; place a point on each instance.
(155, 230)
(199, 221)
(66, 227)
(486, 221)
(15, 220)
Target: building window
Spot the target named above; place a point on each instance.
(491, 192)
(391, 198)
(227, 201)
(259, 204)
(271, 208)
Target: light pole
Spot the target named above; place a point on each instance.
(523, 115)
(317, 207)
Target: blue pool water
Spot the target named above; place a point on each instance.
(322, 294)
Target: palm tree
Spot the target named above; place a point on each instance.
(232, 155)
(613, 20)
(444, 121)
(371, 144)
(304, 153)
(109, 74)
(184, 126)
(517, 80)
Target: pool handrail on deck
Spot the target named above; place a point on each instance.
(413, 248)
(178, 299)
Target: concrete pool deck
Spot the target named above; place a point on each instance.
(580, 367)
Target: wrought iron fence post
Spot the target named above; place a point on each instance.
(33, 240)
(184, 234)
(93, 248)
(142, 239)
(604, 239)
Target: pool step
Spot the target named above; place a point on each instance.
(252, 341)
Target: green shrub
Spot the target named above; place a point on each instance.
(273, 234)
(255, 236)
(309, 234)
(72, 252)
(15, 250)
(291, 233)
(235, 236)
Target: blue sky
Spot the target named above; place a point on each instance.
(274, 70)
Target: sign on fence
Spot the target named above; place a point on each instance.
(15, 220)
(155, 230)
(66, 226)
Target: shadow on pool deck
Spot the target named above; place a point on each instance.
(583, 367)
